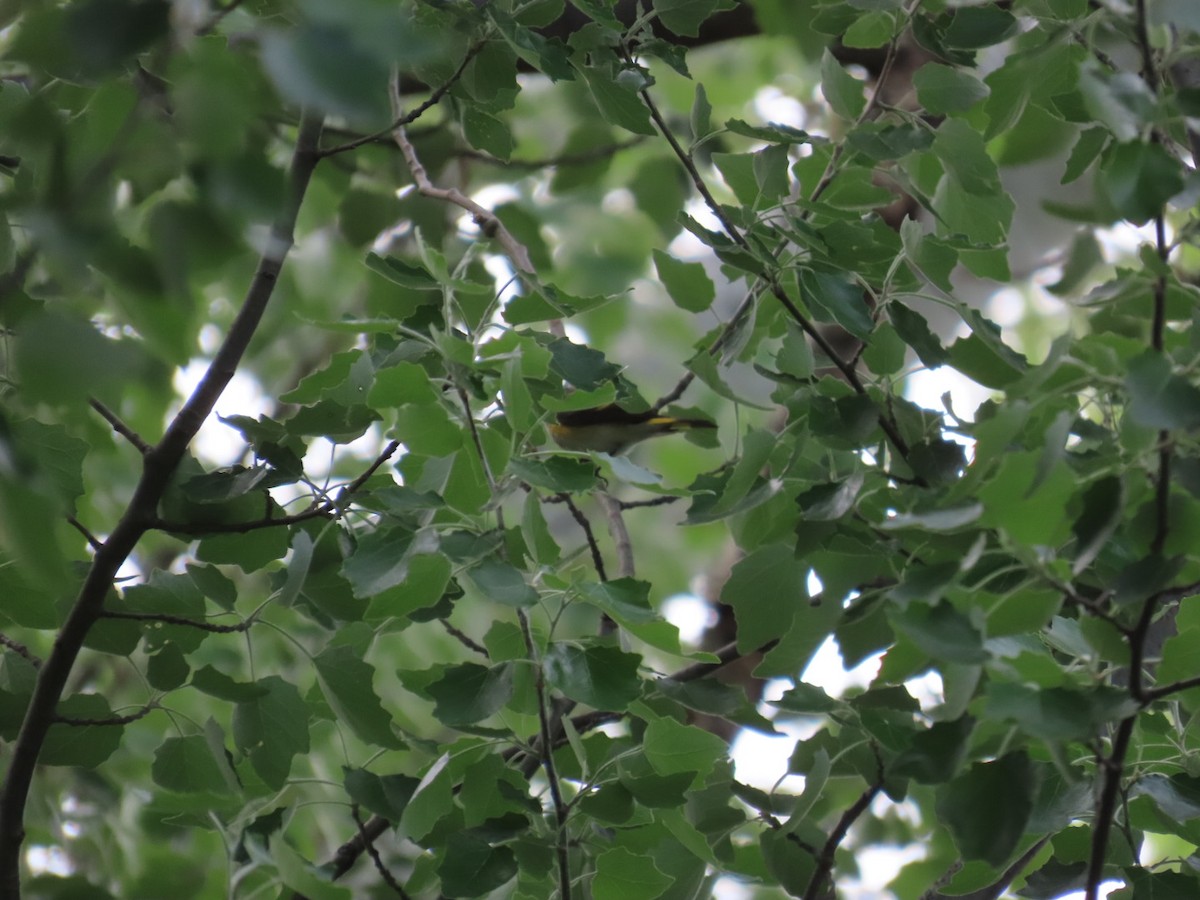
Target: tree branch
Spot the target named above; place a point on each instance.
(847, 369)
(113, 720)
(488, 222)
(369, 845)
(159, 464)
(169, 619)
(561, 843)
(816, 884)
(21, 650)
(408, 118)
(120, 427)
(577, 514)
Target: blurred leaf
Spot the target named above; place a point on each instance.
(943, 89)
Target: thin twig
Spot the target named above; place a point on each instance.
(402, 119)
(93, 541)
(1113, 767)
(379, 460)
(75, 721)
(561, 843)
(120, 427)
(825, 858)
(488, 222)
(464, 639)
(665, 500)
(577, 514)
(619, 534)
(324, 510)
(346, 855)
(21, 650)
(886, 423)
(369, 844)
(583, 157)
(169, 619)
(204, 528)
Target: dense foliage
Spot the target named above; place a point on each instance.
(296, 597)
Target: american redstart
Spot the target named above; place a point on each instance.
(611, 429)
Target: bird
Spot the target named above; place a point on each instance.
(611, 429)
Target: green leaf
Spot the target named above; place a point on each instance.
(672, 747)
(941, 631)
(217, 684)
(687, 283)
(502, 583)
(915, 331)
(833, 298)
(842, 90)
(187, 764)
(379, 562)
(168, 668)
(934, 756)
(684, 17)
(402, 272)
(1056, 713)
(701, 115)
(472, 867)
(1158, 398)
(431, 801)
(79, 743)
(585, 368)
(617, 104)
(872, 29)
(943, 89)
(484, 131)
(773, 132)
(1139, 178)
(1101, 514)
(346, 681)
(765, 589)
(602, 677)
(321, 65)
(555, 473)
(469, 693)
(272, 729)
(715, 698)
(960, 148)
(623, 875)
(973, 27)
(1004, 787)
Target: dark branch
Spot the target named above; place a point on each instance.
(92, 540)
(120, 427)
(169, 619)
(114, 720)
(825, 858)
(369, 844)
(412, 115)
(578, 516)
(21, 650)
(158, 466)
